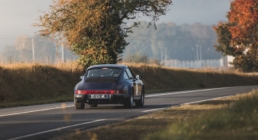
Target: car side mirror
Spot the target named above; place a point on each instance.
(138, 77)
(81, 77)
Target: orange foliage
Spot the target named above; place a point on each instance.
(239, 37)
(245, 14)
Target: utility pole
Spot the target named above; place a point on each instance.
(166, 56)
(161, 53)
(200, 52)
(62, 47)
(200, 55)
(197, 51)
(33, 50)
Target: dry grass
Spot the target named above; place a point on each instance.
(68, 66)
(32, 83)
(169, 79)
(230, 118)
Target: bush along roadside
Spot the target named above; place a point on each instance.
(27, 84)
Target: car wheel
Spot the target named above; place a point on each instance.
(130, 102)
(141, 102)
(79, 105)
(93, 105)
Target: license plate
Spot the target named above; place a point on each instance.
(98, 96)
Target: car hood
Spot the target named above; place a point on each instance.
(100, 83)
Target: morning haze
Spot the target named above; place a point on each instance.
(17, 16)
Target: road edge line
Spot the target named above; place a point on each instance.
(26, 112)
(185, 92)
(146, 96)
(156, 109)
(189, 103)
(56, 129)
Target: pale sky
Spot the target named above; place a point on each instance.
(17, 16)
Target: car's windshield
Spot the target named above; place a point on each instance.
(104, 72)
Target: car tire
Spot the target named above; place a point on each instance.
(140, 103)
(93, 105)
(130, 102)
(79, 105)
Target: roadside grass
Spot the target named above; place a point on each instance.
(236, 120)
(227, 118)
(173, 79)
(32, 83)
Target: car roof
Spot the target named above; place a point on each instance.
(108, 65)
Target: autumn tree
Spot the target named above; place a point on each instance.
(96, 29)
(239, 36)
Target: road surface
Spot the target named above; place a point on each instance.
(50, 120)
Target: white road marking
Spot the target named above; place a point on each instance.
(204, 100)
(187, 103)
(25, 112)
(57, 129)
(183, 92)
(154, 109)
(153, 95)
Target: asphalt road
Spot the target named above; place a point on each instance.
(47, 121)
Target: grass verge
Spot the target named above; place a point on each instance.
(236, 119)
(233, 117)
(27, 84)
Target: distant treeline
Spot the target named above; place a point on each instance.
(171, 41)
(45, 50)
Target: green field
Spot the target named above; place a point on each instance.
(27, 84)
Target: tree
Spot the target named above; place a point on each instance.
(239, 36)
(96, 29)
